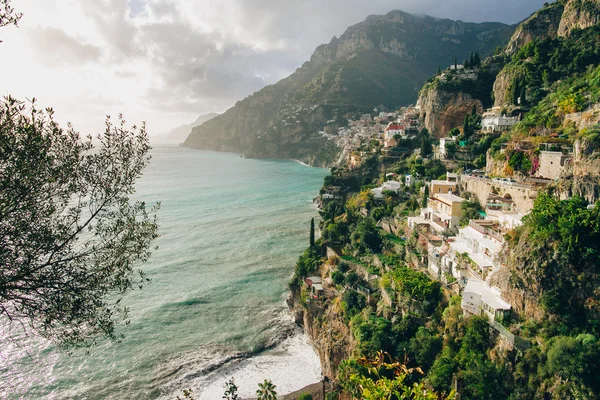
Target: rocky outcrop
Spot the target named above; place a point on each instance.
(324, 324)
(584, 119)
(579, 14)
(521, 292)
(582, 177)
(504, 86)
(543, 23)
(442, 110)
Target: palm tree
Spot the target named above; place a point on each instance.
(266, 391)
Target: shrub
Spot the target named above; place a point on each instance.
(338, 277)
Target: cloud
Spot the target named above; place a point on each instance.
(54, 47)
(166, 61)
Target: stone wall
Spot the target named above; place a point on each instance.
(523, 197)
(552, 164)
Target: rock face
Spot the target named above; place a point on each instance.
(441, 110)
(326, 328)
(381, 62)
(557, 19)
(579, 14)
(543, 23)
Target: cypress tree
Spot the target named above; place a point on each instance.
(425, 196)
(466, 63)
(472, 62)
(455, 63)
(474, 110)
(466, 127)
(312, 232)
(476, 59)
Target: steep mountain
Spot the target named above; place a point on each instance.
(180, 133)
(381, 62)
(559, 31)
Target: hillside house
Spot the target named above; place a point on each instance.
(444, 211)
(498, 123)
(478, 297)
(440, 186)
(481, 242)
(315, 284)
(443, 142)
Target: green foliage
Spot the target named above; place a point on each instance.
(338, 277)
(352, 278)
(266, 391)
(352, 303)
(470, 210)
(309, 261)
(380, 379)
(417, 284)
(373, 334)
(305, 396)
(519, 161)
(231, 391)
(343, 267)
(545, 61)
(72, 237)
(312, 232)
(557, 248)
(425, 346)
(366, 237)
(425, 196)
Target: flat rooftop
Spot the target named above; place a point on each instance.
(449, 198)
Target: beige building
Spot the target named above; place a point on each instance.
(444, 211)
(439, 187)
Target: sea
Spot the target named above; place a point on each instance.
(231, 231)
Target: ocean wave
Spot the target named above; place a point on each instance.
(199, 367)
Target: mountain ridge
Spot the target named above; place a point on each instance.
(181, 132)
(381, 62)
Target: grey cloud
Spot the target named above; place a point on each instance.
(197, 75)
(55, 47)
(111, 18)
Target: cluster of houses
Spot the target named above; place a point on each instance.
(468, 255)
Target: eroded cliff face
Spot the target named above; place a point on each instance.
(554, 20)
(325, 326)
(579, 14)
(441, 110)
(582, 177)
(517, 287)
(543, 23)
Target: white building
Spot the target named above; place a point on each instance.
(443, 142)
(510, 220)
(498, 123)
(478, 296)
(409, 180)
(392, 186)
(482, 242)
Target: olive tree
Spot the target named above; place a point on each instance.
(71, 238)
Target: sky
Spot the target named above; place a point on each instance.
(167, 61)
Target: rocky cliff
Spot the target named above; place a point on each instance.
(329, 333)
(579, 14)
(541, 24)
(555, 20)
(381, 62)
(442, 110)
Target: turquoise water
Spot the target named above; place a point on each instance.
(231, 230)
